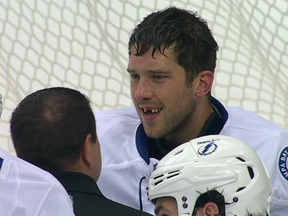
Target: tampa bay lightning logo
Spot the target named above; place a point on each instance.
(207, 149)
(283, 163)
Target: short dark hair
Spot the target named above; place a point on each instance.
(218, 198)
(193, 43)
(49, 127)
(210, 196)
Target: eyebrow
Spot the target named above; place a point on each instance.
(150, 71)
(130, 70)
(159, 72)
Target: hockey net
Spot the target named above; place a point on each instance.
(83, 45)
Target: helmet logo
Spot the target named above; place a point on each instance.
(283, 163)
(207, 149)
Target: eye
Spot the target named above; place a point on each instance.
(163, 214)
(158, 77)
(134, 76)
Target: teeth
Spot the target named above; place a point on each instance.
(155, 110)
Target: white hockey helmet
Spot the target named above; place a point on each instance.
(218, 162)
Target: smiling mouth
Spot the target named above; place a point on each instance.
(153, 111)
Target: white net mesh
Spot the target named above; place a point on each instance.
(82, 44)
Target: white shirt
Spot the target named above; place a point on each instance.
(125, 174)
(28, 190)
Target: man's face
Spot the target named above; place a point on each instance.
(166, 206)
(164, 101)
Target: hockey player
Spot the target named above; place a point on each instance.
(172, 59)
(211, 175)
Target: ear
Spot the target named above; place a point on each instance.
(87, 152)
(211, 209)
(205, 81)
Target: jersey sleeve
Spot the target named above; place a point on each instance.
(57, 202)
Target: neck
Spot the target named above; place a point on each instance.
(81, 167)
(189, 129)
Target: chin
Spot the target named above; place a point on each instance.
(152, 133)
(153, 136)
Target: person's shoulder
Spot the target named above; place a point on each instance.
(124, 210)
(24, 171)
(34, 173)
(239, 118)
(266, 137)
(19, 178)
(87, 202)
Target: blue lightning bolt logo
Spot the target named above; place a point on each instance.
(207, 149)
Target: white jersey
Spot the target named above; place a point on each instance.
(28, 190)
(126, 166)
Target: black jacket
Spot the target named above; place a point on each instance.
(87, 198)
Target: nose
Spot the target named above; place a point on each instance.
(143, 90)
